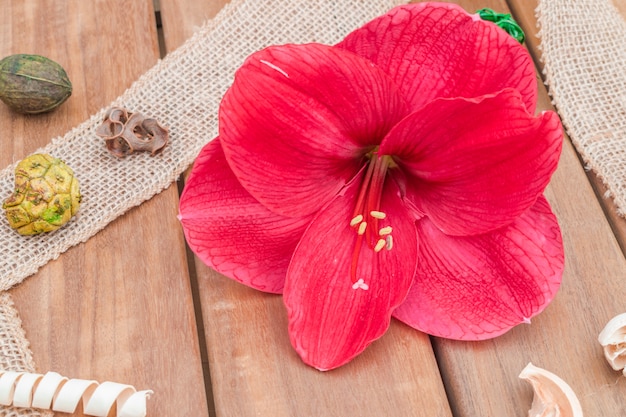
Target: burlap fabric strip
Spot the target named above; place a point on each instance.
(584, 56)
(182, 92)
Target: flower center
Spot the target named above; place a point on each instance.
(369, 222)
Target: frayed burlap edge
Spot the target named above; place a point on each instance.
(14, 353)
(584, 58)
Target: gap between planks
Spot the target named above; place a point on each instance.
(197, 307)
(191, 268)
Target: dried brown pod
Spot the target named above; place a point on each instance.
(125, 132)
(33, 83)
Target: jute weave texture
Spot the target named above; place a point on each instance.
(582, 45)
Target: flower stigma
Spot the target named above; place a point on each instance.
(368, 216)
(360, 285)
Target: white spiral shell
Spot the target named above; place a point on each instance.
(58, 393)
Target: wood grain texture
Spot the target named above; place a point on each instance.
(181, 18)
(255, 371)
(482, 378)
(119, 306)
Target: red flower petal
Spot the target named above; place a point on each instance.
(435, 50)
(230, 231)
(298, 119)
(330, 322)
(475, 165)
(479, 287)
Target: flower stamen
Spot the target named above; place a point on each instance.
(385, 231)
(367, 213)
(356, 220)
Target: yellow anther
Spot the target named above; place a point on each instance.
(377, 214)
(362, 228)
(356, 220)
(385, 231)
(389, 242)
(380, 245)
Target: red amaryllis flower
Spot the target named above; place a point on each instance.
(398, 173)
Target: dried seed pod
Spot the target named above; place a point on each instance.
(125, 132)
(613, 341)
(553, 397)
(33, 83)
(46, 195)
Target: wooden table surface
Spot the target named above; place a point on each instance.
(116, 308)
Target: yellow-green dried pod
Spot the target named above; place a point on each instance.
(46, 195)
(33, 83)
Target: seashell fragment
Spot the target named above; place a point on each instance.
(613, 340)
(553, 397)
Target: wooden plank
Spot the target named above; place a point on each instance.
(118, 307)
(482, 378)
(182, 17)
(255, 371)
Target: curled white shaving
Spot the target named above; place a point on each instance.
(58, 393)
